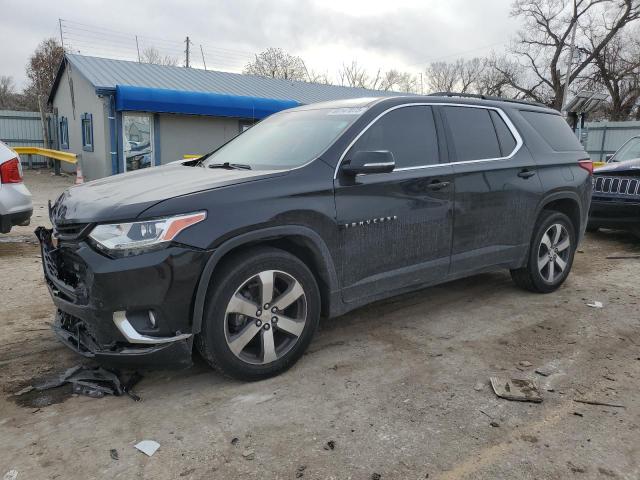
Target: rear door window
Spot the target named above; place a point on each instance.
(407, 132)
(472, 133)
(554, 130)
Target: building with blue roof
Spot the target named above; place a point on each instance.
(121, 115)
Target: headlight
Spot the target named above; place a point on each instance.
(123, 237)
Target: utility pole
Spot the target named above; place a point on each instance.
(186, 63)
(61, 37)
(203, 62)
(567, 78)
(138, 48)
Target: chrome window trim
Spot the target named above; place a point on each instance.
(507, 121)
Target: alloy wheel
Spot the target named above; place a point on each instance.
(265, 317)
(554, 252)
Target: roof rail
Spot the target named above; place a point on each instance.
(485, 97)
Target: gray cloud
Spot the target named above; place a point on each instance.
(407, 35)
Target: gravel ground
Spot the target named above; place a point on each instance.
(398, 389)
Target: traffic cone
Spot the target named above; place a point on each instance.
(79, 176)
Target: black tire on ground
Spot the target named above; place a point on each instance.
(530, 277)
(212, 342)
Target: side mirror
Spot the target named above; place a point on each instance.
(379, 161)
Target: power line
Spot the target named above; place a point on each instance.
(457, 54)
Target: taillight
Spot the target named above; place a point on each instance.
(587, 165)
(11, 171)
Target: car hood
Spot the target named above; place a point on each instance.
(629, 167)
(125, 196)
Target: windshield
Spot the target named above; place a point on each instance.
(629, 151)
(286, 140)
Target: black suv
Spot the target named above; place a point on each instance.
(312, 212)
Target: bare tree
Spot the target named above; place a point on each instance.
(406, 83)
(153, 55)
(461, 76)
(7, 93)
(542, 46)
(442, 77)
(499, 76)
(616, 68)
(276, 63)
(41, 72)
(318, 77)
(394, 80)
(353, 75)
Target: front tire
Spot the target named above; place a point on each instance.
(551, 254)
(261, 314)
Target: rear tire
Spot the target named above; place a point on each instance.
(243, 339)
(551, 254)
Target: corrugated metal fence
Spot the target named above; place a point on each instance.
(606, 137)
(19, 129)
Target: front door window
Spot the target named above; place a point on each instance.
(137, 138)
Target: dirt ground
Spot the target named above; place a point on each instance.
(400, 388)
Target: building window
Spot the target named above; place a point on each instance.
(87, 132)
(64, 133)
(138, 142)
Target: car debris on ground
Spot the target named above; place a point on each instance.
(94, 382)
(148, 447)
(516, 389)
(595, 304)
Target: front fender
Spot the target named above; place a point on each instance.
(269, 233)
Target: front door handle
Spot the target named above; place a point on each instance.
(524, 173)
(437, 185)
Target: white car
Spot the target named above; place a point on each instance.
(15, 200)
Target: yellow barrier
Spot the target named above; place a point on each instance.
(190, 156)
(47, 152)
(599, 164)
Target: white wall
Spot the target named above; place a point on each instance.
(96, 164)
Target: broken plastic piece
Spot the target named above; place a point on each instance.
(516, 389)
(148, 447)
(595, 304)
(57, 381)
(94, 382)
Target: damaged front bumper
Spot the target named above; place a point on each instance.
(134, 310)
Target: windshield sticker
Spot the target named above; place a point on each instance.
(347, 111)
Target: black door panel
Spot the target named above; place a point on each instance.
(493, 212)
(497, 190)
(395, 230)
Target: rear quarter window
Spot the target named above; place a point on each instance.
(554, 130)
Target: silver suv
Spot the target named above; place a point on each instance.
(15, 200)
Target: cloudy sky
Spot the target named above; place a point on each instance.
(401, 34)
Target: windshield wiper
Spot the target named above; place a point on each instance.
(231, 166)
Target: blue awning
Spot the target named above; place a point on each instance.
(159, 100)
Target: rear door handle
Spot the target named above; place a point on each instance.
(526, 173)
(438, 185)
